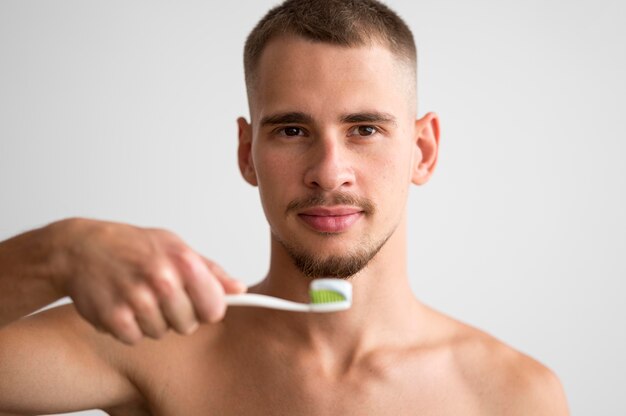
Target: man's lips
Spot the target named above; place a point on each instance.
(330, 219)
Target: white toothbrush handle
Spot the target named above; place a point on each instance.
(264, 301)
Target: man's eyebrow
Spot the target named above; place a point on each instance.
(369, 117)
(286, 118)
(295, 117)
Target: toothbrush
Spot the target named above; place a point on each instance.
(327, 295)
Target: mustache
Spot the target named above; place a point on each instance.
(339, 198)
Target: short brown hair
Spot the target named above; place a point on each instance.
(338, 22)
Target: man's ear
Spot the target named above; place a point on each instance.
(244, 152)
(426, 148)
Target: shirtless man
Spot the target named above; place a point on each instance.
(333, 145)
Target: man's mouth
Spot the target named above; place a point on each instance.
(331, 219)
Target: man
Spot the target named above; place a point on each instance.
(333, 145)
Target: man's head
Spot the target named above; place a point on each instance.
(333, 142)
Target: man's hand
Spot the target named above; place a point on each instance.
(130, 281)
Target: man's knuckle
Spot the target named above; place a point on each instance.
(144, 303)
(163, 280)
(186, 260)
(119, 320)
(165, 288)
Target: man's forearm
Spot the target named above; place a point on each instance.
(29, 263)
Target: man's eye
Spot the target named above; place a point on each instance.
(291, 131)
(363, 130)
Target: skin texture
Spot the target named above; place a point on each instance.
(388, 354)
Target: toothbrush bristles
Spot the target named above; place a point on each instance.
(326, 296)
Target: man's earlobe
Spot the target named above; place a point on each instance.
(427, 148)
(244, 152)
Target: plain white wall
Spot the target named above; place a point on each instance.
(125, 110)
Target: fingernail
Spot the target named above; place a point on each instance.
(192, 328)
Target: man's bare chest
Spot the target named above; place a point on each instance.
(282, 388)
(264, 398)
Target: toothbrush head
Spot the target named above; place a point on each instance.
(330, 295)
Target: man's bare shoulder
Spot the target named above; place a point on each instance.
(55, 351)
(101, 371)
(504, 380)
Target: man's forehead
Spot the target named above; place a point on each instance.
(295, 74)
(297, 56)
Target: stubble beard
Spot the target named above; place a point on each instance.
(336, 266)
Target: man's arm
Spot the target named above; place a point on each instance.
(41, 357)
(28, 264)
(126, 281)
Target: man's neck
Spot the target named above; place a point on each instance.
(384, 310)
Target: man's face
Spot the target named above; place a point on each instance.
(333, 146)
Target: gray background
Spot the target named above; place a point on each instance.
(125, 110)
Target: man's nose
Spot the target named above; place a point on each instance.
(329, 165)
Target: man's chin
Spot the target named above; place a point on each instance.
(338, 263)
(340, 267)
